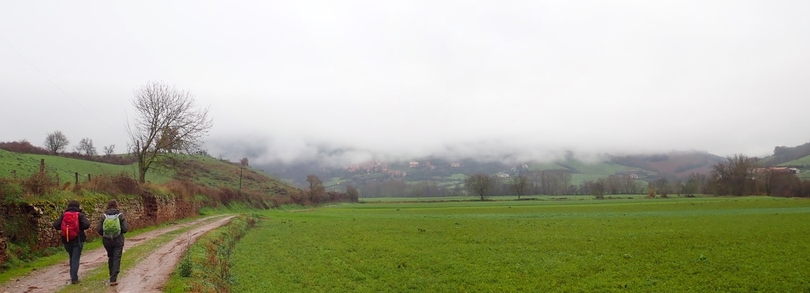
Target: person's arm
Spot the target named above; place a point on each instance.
(58, 224)
(84, 223)
(100, 228)
(124, 225)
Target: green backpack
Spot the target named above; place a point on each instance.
(112, 225)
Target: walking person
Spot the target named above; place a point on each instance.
(112, 227)
(72, 224)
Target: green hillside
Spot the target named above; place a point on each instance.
(588, 171)
(65, 168)
(803, 164)
(437, 177)
(784, 155)
(199, 169)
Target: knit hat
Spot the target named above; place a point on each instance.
(73, 203)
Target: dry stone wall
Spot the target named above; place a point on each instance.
(146, 210)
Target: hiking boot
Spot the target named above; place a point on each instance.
(74, 282)
(113, 283)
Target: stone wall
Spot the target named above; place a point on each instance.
(146, 210)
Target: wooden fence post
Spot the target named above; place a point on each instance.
(41, 166)
(77, 179)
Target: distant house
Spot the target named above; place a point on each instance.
(502, 175)
(455, 165)
(629, 173)
(413, 164)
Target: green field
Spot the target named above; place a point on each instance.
(66, 168)
(638, 245)
(200, 169)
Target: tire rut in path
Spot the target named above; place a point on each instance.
(53, 278)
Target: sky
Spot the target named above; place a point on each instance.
(347, 81)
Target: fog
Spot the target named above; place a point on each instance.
(349, 81)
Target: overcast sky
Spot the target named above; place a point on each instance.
(293, 79)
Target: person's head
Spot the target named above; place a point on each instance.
(73, 203)
(112, 204)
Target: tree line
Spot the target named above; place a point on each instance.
(739, 175)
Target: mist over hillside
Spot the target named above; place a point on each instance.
(267, 150)
(437, 168)
(338, 165)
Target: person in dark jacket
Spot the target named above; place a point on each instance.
(114, 244)
(75, 245)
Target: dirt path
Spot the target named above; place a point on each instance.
(53, 278)
(151, 274)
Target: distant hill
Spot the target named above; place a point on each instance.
(451, 173)
(782, 155)
(803, 162)
(673, 164)
(200, 169)
(587, 170)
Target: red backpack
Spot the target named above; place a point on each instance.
(70, 225)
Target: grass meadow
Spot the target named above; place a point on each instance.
(624, 245)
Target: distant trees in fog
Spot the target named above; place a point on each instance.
(86, 147)
(738, 175)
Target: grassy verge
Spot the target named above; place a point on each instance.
(206, 265)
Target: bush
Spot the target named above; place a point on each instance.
(119, 184)
(39, 184)
(10, 189)
(184, 189)
(24, 147)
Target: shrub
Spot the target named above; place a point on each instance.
(24, 147)
(185, 189)
(39, 183)
(9, 189)
(114, 185)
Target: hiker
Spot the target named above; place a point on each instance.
(72, 224)
(112, 227)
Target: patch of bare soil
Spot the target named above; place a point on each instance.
(53, 278)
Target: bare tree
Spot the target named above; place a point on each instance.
(242, 163)
(316, 188)
(519, 184)
(551, 182)
(662, 186)
(598, 188)
(736, 176)
(354, 196)
(86, 147)
(56, 142)
(480, 184)
(694, 184)
(109, 150)
(167, 122)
